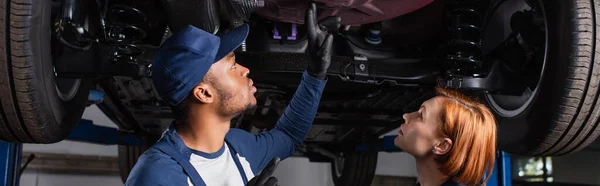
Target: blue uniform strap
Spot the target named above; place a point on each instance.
(184, 162)
(237, 163)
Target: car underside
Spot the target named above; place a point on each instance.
(387, 62)
(532, 62)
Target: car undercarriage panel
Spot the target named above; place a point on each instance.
(352, 12)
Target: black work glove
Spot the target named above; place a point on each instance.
(265, 178)
(320, 39)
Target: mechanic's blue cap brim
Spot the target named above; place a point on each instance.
(184, 59)
(232, 40)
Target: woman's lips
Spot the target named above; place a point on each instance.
(400, 132)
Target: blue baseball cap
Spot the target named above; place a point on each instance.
(184, 58)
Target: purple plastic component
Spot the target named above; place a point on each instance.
(294, 32)
(276, 33)
(292, 37)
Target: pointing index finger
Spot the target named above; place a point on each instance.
(311, 20)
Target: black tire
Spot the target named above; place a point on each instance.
(563, 115)
(358, 169)
(31, 110)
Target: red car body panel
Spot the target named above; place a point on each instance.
(353, 12)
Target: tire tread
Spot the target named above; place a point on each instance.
(578, 104)
(26, 110)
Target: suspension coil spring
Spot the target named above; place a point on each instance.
(121, 30)
(464, 43)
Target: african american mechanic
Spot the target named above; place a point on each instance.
(196, 73)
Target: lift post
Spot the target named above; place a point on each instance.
(86, 131)
(10, 161)
(502, 171)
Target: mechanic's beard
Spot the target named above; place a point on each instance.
(247, 107)
(227, 105)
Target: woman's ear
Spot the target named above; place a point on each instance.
(443, 146)
(203, 93)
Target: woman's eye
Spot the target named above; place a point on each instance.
(233, 67)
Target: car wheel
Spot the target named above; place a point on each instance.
(354, 168)
(559, 112)
(35, 106)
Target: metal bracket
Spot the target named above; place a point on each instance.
(361, 66)
(495, 81)
(361, 71)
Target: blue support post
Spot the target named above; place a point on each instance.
(10, 156)
(86, 131)
(502, 171)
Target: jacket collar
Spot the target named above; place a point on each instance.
(173, 139)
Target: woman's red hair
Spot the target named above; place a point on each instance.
(472, 128)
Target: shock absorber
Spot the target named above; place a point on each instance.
(121, 30)
(78, 26)
(463, 52)
(70, 27)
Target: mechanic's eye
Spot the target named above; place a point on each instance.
(234, 66)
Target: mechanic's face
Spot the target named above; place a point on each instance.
(235, 91)
(418, 135)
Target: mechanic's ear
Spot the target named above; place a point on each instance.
(203, 93)
(443, 146)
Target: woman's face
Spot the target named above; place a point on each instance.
(418, 134)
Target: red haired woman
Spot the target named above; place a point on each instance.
(453, 140)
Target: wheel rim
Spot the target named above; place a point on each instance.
(515, 105)
(66, 88)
